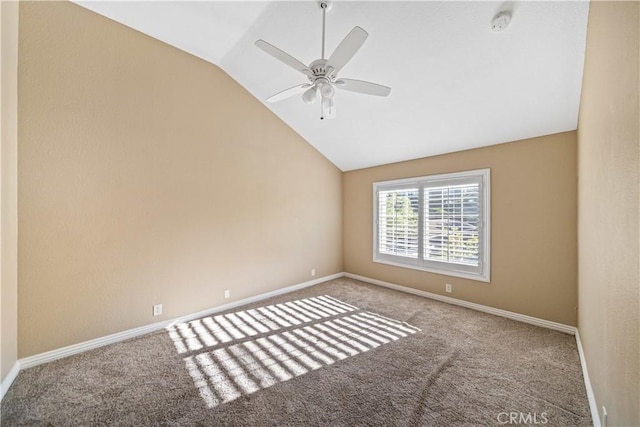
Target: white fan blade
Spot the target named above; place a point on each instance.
(362, 87)
(284, 57)
(347, 48)
(287, 93)
(328, 108)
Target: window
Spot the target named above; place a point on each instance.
(437, 223)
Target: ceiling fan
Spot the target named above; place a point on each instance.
(322, 73)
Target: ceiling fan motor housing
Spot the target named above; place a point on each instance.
(319, 69)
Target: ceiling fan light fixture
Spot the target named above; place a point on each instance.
(309, 96)
(328, 109)
(326, 90)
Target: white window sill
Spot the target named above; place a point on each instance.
(463, 274)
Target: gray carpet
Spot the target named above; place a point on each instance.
(342, 353)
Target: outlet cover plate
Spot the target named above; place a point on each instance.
(157, 309)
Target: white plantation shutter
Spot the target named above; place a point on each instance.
(437, 223)
(452, 224)
(398, 214)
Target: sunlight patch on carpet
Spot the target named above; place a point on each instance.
(240, 353)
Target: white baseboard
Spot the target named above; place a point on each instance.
(8, 380)
(60, 353)
(593, 406)
(479, 307)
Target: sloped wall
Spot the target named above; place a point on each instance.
(149, 176)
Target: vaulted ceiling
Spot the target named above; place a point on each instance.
(456, 84)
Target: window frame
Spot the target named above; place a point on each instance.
(483, 271)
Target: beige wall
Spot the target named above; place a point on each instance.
(533, 226)
(147, 176)
(608, 162)
(9, 187)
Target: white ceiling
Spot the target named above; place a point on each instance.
(455, 83)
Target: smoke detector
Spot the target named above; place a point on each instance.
(501, 21)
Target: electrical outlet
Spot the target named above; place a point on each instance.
(157, 309)
(448, 288)
(604, 417)
(227, 293)
(313, 272)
